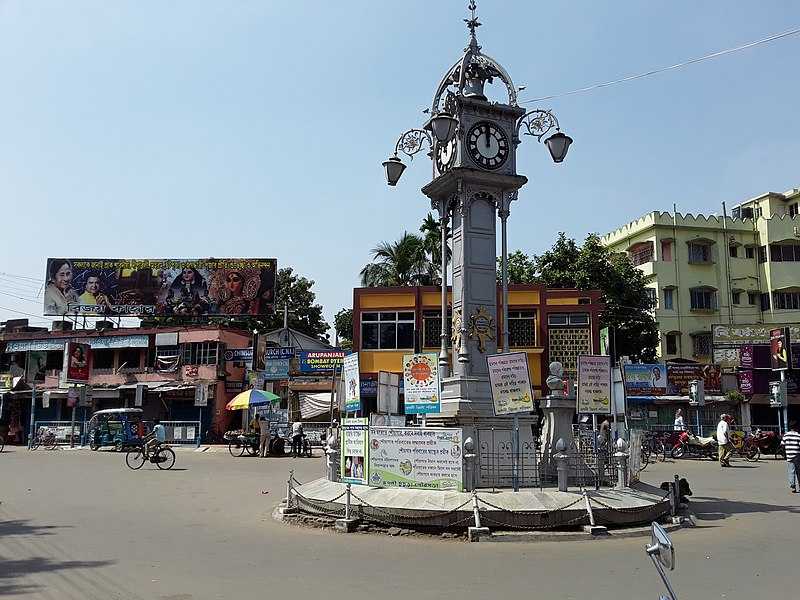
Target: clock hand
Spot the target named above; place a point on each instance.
(487, 137)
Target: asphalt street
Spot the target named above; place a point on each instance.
(80, 524)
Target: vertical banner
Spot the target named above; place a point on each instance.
(354, 450)
(388, 393)
(594, 384)
(352, 385)
(201, 395)
(746, 356)
(746, 382)
(72, 397)
(75, 368)
(779, 349)
(421, 382)
(511, 383)
(141, 390)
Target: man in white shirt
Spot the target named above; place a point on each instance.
(723, 439)
(263, 430)
(679, 426)
(297, 438)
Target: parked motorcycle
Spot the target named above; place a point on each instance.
(768, 442)
(693, 446)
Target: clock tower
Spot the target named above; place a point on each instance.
(474, 178)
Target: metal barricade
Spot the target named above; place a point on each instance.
(61, 429)
(182, 432)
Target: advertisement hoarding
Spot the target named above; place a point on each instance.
(415, 457)
(77, 361)
(779, 349)
(679, 376)
(646, 380)
(352, 387)
(159, 287)
(511, 383)
(320, 361)
(421, 381)
(238, 355)
(354, 450)
(594, 384)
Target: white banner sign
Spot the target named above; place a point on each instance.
(594, 384)
(511, 383)
(354, 450)
(421, 383)
(415, 457)
(352, 383)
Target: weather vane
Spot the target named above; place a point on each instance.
(472, 23)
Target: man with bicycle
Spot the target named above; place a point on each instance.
(157, 437)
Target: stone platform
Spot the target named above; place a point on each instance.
(527, 509)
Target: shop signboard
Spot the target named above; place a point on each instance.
(734, 336)
(352, 387)
(36, 364)
(421, 382)
(265, 353)
(320, 361)
(159, 287)
(77, 362)
(594, 384)
(779, 349)
(679, 376)
(416, 457)
(510, 382)
(238, 355)
(354, 450)
(645, 380)
(276, 369)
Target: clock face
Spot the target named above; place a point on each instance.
(444, 155)
(488, 145)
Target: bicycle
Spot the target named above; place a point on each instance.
(163, 456)
(44, 438)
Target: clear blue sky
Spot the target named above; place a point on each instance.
(192, 129)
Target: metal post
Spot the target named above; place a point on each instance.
(347, 503)
(33, 411)
(515, 454)
(785, 406)
(199, 426)
(504, 212)
(589, 508)
(72, 428)
(289, 489)
(444, 208)
(475, 510)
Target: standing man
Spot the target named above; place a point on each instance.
(791, 445)
(723, 439)
(679, 425)
(297, 438)
(263, 427)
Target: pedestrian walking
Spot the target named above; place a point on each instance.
(791, 445)
(263, 429)
(724, 441)
(679, 426)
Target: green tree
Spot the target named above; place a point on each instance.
(431, 230)
(628, 307)
(521, 268)
(343, 323)
(402, 262)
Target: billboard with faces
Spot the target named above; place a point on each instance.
(159, 287)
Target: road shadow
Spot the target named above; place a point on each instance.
(25, 527)
(709, 508)
(12, 571)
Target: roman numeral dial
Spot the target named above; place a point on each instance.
(487, 145)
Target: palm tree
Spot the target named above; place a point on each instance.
(432, 241)
(398, 263)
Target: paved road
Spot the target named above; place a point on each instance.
(76, 524)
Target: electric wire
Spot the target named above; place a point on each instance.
(657, 71)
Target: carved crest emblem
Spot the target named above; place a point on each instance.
(456, 333)
(481, 327)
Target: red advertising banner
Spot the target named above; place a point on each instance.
(77, 362)
(746, 356)
(779, 349)
(746, 382)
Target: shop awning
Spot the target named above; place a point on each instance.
(151, 385)
(312, 405)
